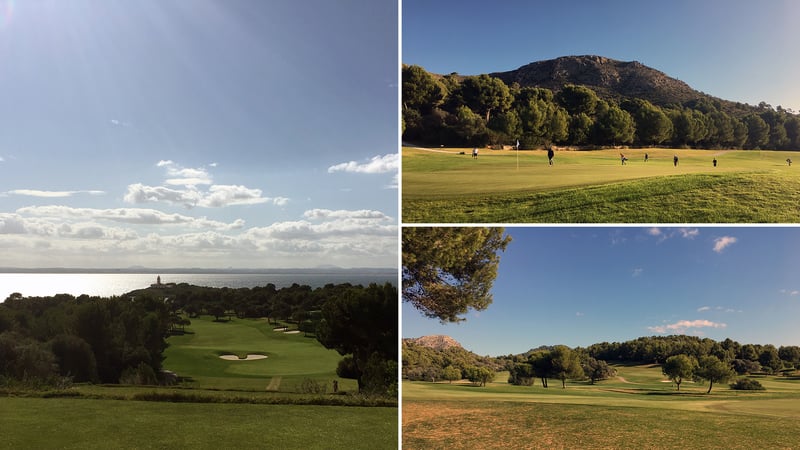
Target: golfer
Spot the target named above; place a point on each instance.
(675, 160)
(475, 153)
(646, 157)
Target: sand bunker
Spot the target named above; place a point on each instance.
(250, 357)
(281, 329)
(292, 332)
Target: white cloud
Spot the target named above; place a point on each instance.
(135, 216)
(139, 193)
(120, 123)
(703, 308)
(51, 194)
(378, 164)
(722, 243)
(124, 236)
(190, 196)
(182, 176)
(637, 272)
(663, 235)
(683, 325)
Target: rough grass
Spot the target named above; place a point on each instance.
(635, 410)
(592, 187)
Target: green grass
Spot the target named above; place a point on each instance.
(224, 404)
(86, 424)
(636, 410)
(590, 187)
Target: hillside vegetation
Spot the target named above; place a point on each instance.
(583, 101)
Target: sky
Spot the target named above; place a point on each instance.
(170, 133)
(738, 50)
(579, 286)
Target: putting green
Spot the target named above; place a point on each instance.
(442, 185)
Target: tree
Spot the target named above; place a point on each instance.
(757, 131)
(678, 368)
(713, 370)
(447, 270)
(565, 364)
(614, 126)
(652, 125)
(421, 91)
(542, 364)
(363, 323)
(596, 369)
(769, 358)
(578, 99)
(480, 375)
(451, 373)
(484, 94)
(74, 357)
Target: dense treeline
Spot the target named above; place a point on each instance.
(458, 111)
(51, 340)
(707, 359)
(46, 340)
(744, 358)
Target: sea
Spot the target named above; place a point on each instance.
(111, 284)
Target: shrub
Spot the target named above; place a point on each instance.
(309, 386)
(747, 384)
(141, 374)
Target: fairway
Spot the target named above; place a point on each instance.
(444, 186)
(637, 409)
(291, 357)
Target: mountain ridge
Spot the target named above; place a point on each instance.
(435, 341)
(609, 77)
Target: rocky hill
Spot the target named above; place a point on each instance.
(436, 342)
(608, 77)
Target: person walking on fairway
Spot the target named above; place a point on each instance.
(715, 162)
(646, 157)
(622, 158)
(789, 160)
(550, 154)
(675, 160)
(475, 153)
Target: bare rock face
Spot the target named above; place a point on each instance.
(437, 342)
(608, 77)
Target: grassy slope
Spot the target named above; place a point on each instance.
(637, 410)
(747, 186)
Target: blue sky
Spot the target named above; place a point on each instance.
(583, 285)
(168, 133)
(738, 50)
